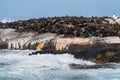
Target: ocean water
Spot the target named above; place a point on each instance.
(17, 65)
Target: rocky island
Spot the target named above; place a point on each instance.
(90, 38)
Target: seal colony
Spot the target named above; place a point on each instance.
(69, 26)
(91, 38)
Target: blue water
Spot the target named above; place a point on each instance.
(17, 65)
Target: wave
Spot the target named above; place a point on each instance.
(17, 65)
(21, 60)
(5, 20)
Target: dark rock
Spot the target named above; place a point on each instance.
(3, 45)
(47, 52)
(98, 53)
(78, 66)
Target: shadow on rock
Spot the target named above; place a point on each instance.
(99, 53)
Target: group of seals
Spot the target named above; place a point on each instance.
(68, 25)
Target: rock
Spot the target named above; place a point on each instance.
(3, 45)
(81, 44)
(100, 54)
(97, 66)
(119, 33)
(47, 52)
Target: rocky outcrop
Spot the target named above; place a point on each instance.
(48, 41)
(96, 39)
(100, 53)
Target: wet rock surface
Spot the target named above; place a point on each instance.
(97, 66)
(99, 53)
(3, 45)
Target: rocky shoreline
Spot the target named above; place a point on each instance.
(96, 39)
(99, 53)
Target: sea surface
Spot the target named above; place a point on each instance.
(18, 65)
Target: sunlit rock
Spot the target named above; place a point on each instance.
(35, 42)
(64, 43)
(20, 41)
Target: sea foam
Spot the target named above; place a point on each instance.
(60, 61)
(5, 20)
(18, 65)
